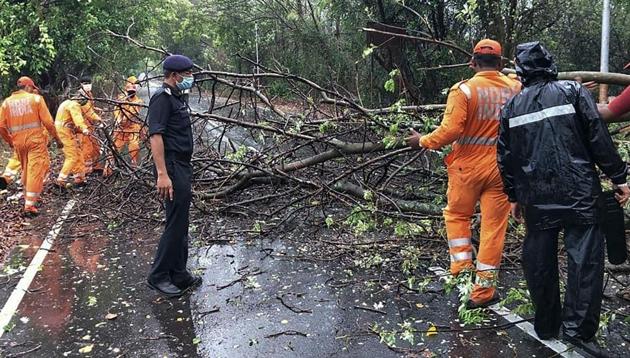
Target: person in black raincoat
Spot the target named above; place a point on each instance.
(551, 137)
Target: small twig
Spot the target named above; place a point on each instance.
(240, 279)
(165, 336)
(370, 310)
(294, 309)
(287, 333)
(214, 309)
(19, 354)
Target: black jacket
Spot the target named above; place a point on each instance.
(551, 137)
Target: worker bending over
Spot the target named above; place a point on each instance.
(70, 123)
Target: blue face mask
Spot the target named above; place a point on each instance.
(186, 83)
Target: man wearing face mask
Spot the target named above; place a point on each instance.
(171, 140)
(70, 123)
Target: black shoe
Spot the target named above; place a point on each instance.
(193, 282)
(590, 347)
(165, 288)
(547, 336)
(471, 305)
(3, 183)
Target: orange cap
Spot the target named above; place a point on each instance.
(26, 81)
(487, 47)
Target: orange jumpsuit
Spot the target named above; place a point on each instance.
(13, 167)
(471, 120)
(69, 121)
(90, 147)
(128, 126)
(22, 116)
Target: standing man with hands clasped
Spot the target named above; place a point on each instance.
(171, 140)
(550, 140)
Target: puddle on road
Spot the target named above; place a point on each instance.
(86, 278)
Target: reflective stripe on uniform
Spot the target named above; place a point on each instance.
(477, 140)
(30, 202)
(463, 241)
(461, 256)
(32, 194)
(484, 267)
(540, 115)
(63, 124)
(15, 129)
(466, 90)
(62, 176)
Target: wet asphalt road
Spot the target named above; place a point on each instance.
(88, 276)
(253, 303)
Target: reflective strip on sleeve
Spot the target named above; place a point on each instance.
(15, 129)
(62, 176)
(464, 241)
(461, 256)
(32, 194)
(30, 202)
(466, 90)
(483, 267)
(477, 140)
(540, 115)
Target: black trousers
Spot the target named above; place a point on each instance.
(583, 296)
(172, 252)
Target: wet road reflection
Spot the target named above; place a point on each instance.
(90, 296)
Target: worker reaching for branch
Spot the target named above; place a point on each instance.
(70, 123)
(90, 146)
(471, 122)
(22, 117)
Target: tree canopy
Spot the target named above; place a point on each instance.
(343, 44)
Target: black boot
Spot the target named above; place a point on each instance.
(590, 347)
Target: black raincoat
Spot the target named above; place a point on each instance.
(551, 137)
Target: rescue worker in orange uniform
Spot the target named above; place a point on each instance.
(90, 147)
(128, 122)
(22, 117)
(70, 123)
(471, 123)
(12, 170)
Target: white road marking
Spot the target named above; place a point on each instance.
(555, 345)
(31, 271)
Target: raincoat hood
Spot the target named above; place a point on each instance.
(533, 62)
